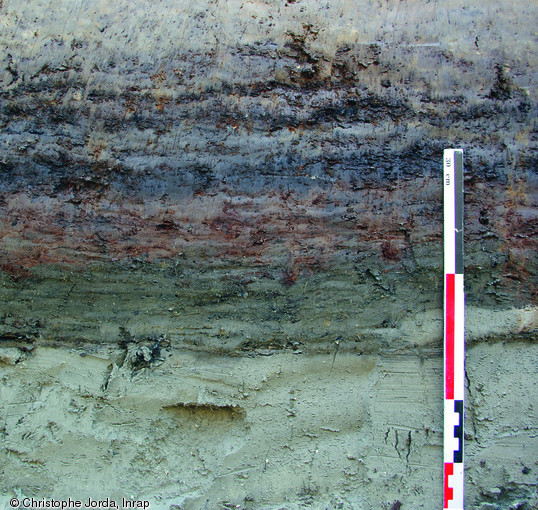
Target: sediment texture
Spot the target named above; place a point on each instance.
(221, 250)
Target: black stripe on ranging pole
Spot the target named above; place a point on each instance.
(458, 430)
(458, 175)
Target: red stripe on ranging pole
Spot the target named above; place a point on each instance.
(450, 329)
(449, 492)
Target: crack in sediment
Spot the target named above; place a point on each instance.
(408, 443)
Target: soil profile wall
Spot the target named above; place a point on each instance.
(221, 250)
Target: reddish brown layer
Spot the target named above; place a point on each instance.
(308, 231)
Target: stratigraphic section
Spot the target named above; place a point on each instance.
(271, 165)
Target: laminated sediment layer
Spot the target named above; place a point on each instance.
(273, 165)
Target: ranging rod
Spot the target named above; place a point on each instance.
(454, 330)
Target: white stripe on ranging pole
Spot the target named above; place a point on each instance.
(454, 326)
